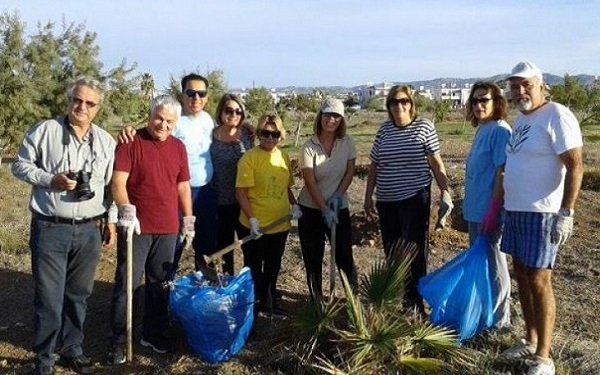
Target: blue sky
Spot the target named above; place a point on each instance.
(324, 43)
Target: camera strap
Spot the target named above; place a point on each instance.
(66, 140)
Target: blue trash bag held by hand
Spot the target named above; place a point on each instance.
(460, 292)
(217, 319)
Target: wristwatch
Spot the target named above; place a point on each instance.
(567, 212)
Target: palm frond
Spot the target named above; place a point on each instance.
(442, 341)
(419, 365)
(354, 307)
(384, 284)
(313, 323)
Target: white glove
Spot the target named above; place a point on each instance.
(188, 230)
(255, 227)
(296, 212)
(126, 218)
(445, 209)
(561, 229)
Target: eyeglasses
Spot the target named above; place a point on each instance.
(79, 102)
(192, 93)
(336, 116)
(233, 111)
(403, 101)
(275, 134)
(483, 101)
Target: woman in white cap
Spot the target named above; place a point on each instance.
(405, 153)
(327, 162)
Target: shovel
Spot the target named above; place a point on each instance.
(332, 243)
(129, 353)
(211, 273)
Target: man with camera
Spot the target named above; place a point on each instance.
(151, 181)
(68, 161)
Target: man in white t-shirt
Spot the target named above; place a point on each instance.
(194, 129)
(542, 179)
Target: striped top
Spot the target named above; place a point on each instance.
(400, 154)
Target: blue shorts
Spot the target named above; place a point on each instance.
(526, 237)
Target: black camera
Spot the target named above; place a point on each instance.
(82, 189)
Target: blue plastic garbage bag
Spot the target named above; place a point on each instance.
(217, 319)
(460, 292)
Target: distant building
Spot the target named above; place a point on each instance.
(370, 90)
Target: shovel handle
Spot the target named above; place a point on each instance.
(210, 258)
(129, 353)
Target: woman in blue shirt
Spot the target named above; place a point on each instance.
(486, 109)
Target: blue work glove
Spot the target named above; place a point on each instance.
(296, 212)
(330, 217)
(335, 201)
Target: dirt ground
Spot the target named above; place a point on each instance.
(576, 283)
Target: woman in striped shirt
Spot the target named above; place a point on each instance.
(405, 154)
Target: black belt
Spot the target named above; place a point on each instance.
(65, 220)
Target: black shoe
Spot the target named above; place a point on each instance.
(158, 344)
(80, 364)
(44, 370)
(117, 356)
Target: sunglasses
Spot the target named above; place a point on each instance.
(483, 101)
(403, 101)
(233, 111)
(79, 102)
(275, 134)
(336, 116)
(192, 93)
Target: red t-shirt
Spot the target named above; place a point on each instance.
(155, 168)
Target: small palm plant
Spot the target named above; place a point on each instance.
(369, 332)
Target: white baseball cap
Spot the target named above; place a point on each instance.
(332, 105)
(526, 69)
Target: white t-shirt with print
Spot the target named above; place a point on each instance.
(534, 175)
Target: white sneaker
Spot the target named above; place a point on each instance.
(522, 350)
(538, 367)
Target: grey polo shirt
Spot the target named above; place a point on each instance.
(43, 154)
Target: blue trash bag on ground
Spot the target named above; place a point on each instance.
(217, 319)
(460, 292)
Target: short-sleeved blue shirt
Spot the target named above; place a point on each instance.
(488, 152)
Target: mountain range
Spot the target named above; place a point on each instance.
(550, 79)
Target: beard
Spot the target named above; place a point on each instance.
(524, 105)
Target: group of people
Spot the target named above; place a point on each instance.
(183, 180)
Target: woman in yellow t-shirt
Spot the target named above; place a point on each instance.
(263, 190)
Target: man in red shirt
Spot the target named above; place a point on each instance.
(151, 181)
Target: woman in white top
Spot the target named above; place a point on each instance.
(327, 161)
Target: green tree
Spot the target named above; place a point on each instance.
(36, 71)
(260, 101)
(584, 101)
(17, 96)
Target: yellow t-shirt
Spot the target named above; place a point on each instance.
(267, 175)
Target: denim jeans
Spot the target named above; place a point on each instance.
(204, 207)
(152, 259)
(63, 263)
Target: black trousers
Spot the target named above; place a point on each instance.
(263, 257)
(152, 260)
(228, 225)
(312, 230)
(403, 221)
